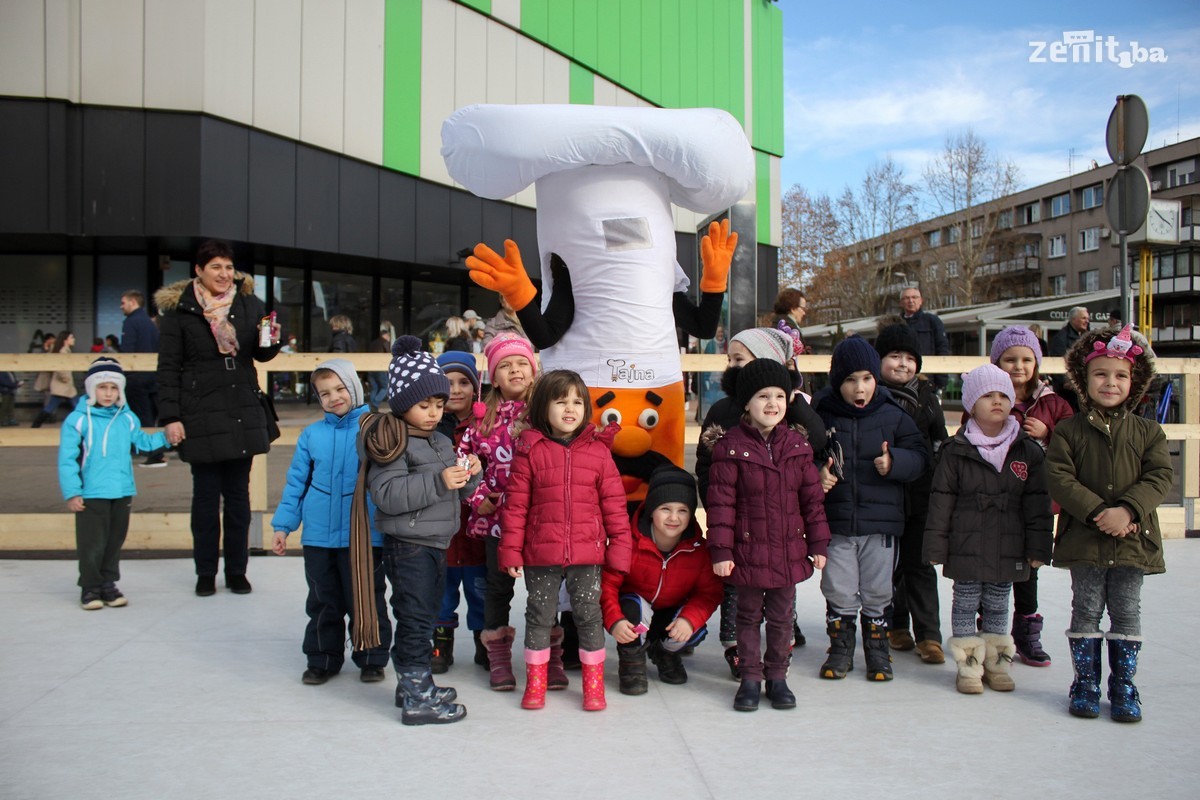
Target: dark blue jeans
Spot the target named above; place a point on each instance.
(418, 577)
(474, 585)
(331, 601)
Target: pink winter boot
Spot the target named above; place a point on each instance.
(593, 679)
(556, 676)
(535, 678)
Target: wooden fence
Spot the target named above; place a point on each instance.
(171, 531)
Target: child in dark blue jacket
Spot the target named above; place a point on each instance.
(95, 472)
(319, 491)
(881, 450)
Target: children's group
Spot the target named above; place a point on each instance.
(455, 495)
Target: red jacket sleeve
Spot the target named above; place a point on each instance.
(515, 511)
(703, 598)
(610, 597)
(616, 520)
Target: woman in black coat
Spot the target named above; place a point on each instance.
(211, 403)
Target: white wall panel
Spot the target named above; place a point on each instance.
(557, 78)
(531, 71)
(62, 49)
(470, 56)
(437, 84)
(501, 68)
(322, 73)
(363, 89)
(776, 201)
(111, 48)
(228, 53)
(277, 25)
(507, 11)
(626, 98)
(173, 75)
(604, 92)
(23, 48)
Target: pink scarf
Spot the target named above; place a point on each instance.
(994, 449)
(216, 311)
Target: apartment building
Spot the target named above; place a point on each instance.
(1053, 240)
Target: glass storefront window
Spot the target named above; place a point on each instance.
(391, 304)
(336, 293)
(432, 303)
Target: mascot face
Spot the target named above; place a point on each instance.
(651, 432)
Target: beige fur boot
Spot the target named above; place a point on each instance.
(968, 652)
(997, 660)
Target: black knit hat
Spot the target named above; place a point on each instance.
(413, 376)
(758, 375)
(898, 337)
(852, 355)
(670, 484)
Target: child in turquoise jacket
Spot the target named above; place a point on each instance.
(95, 473)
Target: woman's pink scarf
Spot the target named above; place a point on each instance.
(216, 311)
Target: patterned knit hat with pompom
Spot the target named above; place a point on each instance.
(413, 376)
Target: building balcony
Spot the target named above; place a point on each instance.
(1020, 264)
(1186, 284)
(1186, 333)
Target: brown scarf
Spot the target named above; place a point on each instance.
(384, 439)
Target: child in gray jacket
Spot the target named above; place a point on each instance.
(418, 486)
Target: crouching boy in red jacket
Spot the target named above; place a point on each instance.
(664, 602)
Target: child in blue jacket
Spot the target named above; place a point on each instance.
(882, 450)
(319, 491)
(95, 472)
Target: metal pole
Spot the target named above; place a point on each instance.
(1126, 300)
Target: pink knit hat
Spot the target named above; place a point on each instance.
(982, 380)
(507, 344)
(1016, 336)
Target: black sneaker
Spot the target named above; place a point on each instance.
(112, 597)
(371, 674)
(315, 676)
(90, 600)
(237, 584)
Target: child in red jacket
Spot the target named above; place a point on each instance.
(563, 518)
(662, 605)
(766, 526)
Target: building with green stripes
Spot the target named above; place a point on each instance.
(307, 132)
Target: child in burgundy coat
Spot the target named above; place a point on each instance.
(766, 526)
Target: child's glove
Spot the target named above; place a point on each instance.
(716, 253)
(505, 275)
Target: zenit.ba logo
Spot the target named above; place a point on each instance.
(1088, 47)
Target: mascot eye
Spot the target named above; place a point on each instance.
(648, 418)
(610, 415)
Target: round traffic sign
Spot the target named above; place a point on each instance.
(1128, 126)
(1128, 200)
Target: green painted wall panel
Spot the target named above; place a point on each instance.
(535, 18)
(402, 86)
(608, 41)
(671, 67)
(737, 63)
(703, 45)
(762, 195)
(561, 26)
(587, 23)
(652, 51)
(767, 32)
(482, 6)
(631, 44)
(689, 96)
(583, 85)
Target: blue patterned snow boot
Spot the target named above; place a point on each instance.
(1122, 665)
(1085, 657)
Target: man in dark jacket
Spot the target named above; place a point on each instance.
(139, 334)
(1077, 325)
(928, 328)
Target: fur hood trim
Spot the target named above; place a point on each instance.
(167, 298)
(713, 433)
(1141, 374)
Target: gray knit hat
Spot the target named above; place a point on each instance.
(766, 343)
(413, 375)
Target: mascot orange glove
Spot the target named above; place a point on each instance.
(716, 253)
(506, 275)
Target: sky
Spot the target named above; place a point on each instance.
(868, 80)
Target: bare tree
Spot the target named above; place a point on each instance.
(810, 230)
(964, 182)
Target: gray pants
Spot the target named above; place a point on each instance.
(858, 574)
(971, 596)
(1117, 588)
(583, 587)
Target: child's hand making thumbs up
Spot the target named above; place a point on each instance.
(828, 479)
(883, 464)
